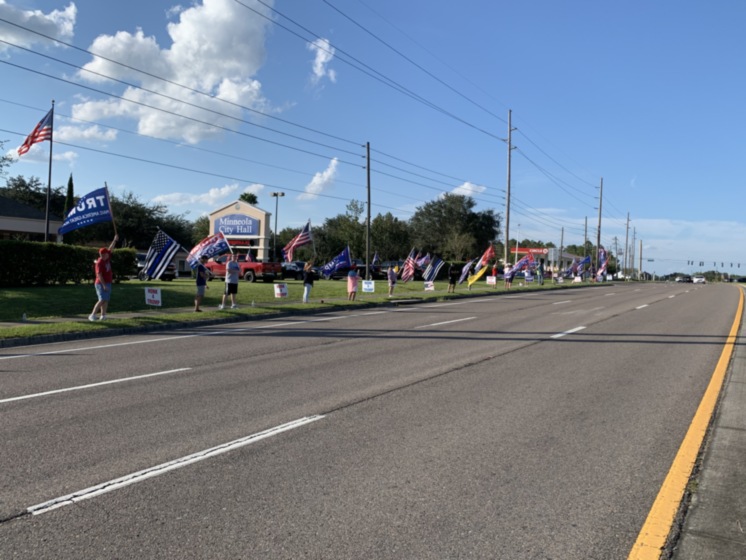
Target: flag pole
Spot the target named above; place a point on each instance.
(313, 241)
(111, 208)
(49, 180)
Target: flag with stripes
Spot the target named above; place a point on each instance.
(465, 270)
(376, 260)
(161, 253)
(409, 266)
(41, 133)
(431, 272)
(423, 262)
(303, 238)
(210, 246)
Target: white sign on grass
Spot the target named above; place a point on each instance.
(153, 296)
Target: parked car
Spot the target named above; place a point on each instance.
(699, 279)
(249, 270)
(292, 270)
(168, 275)
(375, 271)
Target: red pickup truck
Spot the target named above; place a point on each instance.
(250, 270)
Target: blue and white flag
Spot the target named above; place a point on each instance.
(465, 271)
(209, 247)
(161, 252)
(431, 272)
(340, 261)
(92, 208)
(376, 260)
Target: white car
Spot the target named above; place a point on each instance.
(699, 280)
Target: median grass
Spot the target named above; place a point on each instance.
(64, 309)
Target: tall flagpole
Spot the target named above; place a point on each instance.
(49, 180)
(111, 209)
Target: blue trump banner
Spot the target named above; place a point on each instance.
(340, 261)
(92, 208)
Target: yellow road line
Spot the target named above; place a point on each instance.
(657, 526)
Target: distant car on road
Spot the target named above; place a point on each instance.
(699, 279)
(293, 270)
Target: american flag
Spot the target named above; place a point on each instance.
(42, 132)
(160, 254)
(303, 238)
(409, 266)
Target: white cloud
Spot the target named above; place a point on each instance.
(68, 156)
(256, 189)
(469, 189)
(74, 133)
(211, 198)
(57, 23)
(321, 182)
(217, 47)
(324, 55)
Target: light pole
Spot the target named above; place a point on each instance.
(277, 196)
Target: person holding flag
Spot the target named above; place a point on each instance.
(481, 267)
(104, 278)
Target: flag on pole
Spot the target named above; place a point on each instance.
(161, 253)
(423, 262)
(481, 267)
(603, 261)
(41, 133)
(431, 272)
(303, 238)
(209, 247)
(340, 261)
(92, 208)
(465, 271)
(409, 266)
(376, 260)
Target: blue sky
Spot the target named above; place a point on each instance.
(646, 95)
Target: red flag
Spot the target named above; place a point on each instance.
(42, 132)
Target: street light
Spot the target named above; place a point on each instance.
(277, 196)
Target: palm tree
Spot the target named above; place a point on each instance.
(249, 198)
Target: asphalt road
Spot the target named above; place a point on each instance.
(526, 426)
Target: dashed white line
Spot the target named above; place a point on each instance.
(139, 476)
(90, 385)
(445, 323)
(641, 306)
(560, 335)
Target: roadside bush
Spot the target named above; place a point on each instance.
(27, 263)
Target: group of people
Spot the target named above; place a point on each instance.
(104, 276)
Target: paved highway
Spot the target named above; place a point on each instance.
(522, 426)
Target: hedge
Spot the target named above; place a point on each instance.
(27, 263)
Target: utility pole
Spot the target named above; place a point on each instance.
(507, 190)
(585, 238)
(626, 248)
(639, 268)
(598, 236)
(367, 227)
(562, 249)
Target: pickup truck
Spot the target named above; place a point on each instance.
(250, 270)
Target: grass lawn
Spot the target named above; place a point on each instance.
(63, 309)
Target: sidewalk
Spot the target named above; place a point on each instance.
(715, 524)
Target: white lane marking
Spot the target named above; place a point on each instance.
(560, 335)
(672, 296)
(561, 302)
(151, 472)
(90, 385)
(445, 323)
(642, 306)
(611, 294)
(99, 347)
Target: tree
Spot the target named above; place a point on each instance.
(249, 198)
(453, 217)
(32, 193)
(70, 198)
(5, 160)
(340, 231)
(200, 229)
(389, 236)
